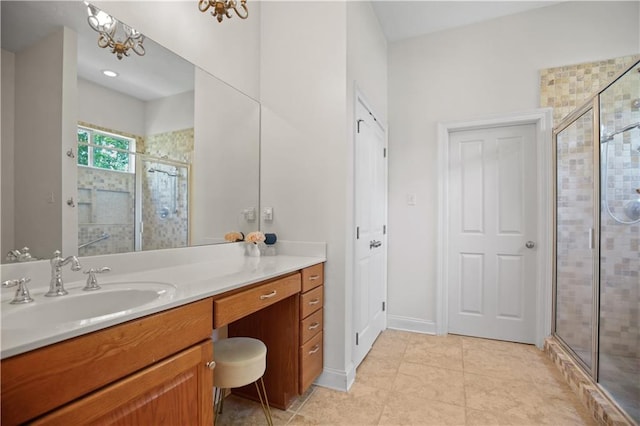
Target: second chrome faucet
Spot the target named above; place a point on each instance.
(56, 286)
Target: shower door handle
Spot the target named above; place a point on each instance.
(530, 244)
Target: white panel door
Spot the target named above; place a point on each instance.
(492, 229)
(370, 245)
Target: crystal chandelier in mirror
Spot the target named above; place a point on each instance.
(107, 26)
(223, 8)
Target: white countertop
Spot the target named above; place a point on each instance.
(192, 282)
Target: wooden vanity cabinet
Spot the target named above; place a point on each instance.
(275, 324)
(175, 391)
(151, 370)
(311, 326)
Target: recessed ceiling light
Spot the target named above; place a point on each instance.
(109, 73)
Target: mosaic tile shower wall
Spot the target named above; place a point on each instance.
(568, 87)
(176, 145)
(106, 203)
(165, 201)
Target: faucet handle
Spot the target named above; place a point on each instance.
(92, 281)
(22, 292)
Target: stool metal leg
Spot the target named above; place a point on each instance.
(218, 404)
(264, 403)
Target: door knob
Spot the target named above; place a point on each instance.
(530, 244)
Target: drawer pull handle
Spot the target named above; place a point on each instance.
(211, 365)
(314, 326)
(315, 349)
(314, 301)
(268, 296)
(314, 277)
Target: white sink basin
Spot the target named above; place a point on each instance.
(84, 307)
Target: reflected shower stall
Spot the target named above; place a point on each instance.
(162, 209)
(145, 207)
(597, 239)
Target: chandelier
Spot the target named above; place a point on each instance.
(107, 26)
(223, 8)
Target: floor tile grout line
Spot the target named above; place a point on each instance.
(302, 404)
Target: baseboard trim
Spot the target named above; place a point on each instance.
(336, 379)
(411, 324)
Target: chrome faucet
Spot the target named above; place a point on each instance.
(22, 293)
(56, 286)
(19, 255)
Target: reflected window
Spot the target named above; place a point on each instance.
(103, 150)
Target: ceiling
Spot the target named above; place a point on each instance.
(158, 74)
(161, 73)
(406, 19)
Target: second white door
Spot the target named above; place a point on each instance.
(370, 243)
(492, 229)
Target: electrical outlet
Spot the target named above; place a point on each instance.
(267, 214)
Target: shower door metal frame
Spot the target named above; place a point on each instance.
(591, 105)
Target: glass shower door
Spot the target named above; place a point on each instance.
(164, 205)
(575, 204)
(619, 327)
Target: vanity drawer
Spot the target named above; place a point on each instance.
(311, 301)
(312, 277)
(310, 362)
(310, 326)
(231, 308)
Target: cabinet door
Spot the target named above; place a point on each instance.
(176, 391)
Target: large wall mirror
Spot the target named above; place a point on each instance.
(163, 155)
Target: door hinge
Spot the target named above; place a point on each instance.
(384, 306)
(384, 229)
(384, 152)
(358, 124)
(357, 339)
(357, 232)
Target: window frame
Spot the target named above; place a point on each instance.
(91, 146)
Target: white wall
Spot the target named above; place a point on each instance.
(226, 161)
(461, 74)
(107, 108)
(229, 50)
(41, 211)
(7, 148)
(304, 145)
(307, 141)
(169, 114)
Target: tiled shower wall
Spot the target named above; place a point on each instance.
(165, 202)
(106, 202)
(568, 87)
(565, 89)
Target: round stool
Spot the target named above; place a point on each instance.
(240, 361)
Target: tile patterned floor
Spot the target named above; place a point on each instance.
(417, 379)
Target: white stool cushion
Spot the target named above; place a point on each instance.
(239, 361)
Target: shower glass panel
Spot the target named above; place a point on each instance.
(619, 326)
(574, 237)
(164, 203)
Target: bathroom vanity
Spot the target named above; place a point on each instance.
(157, 367)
